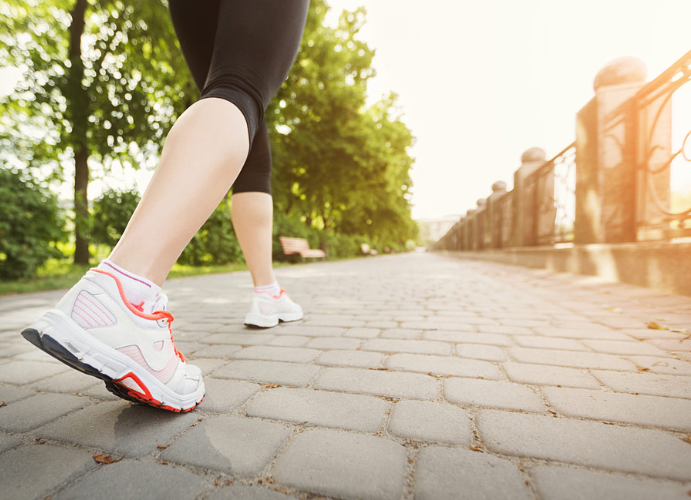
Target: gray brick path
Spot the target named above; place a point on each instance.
(411, 377)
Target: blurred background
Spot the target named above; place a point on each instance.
(394, 120)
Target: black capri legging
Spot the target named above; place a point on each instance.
(241, 51)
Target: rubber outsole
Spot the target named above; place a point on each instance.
(53, 348)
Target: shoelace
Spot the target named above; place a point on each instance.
(170, 318)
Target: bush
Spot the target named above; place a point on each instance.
(215, 242)
(30, 225)
(110, 215)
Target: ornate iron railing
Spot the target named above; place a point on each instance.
(614, 184)
(550, 192)
(661, 155)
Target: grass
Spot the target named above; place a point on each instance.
(57, 274)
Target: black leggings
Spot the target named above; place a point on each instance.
(241, 51)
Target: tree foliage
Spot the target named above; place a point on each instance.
(103, 81)
(110, 213)
(30, 225)
(338, 164)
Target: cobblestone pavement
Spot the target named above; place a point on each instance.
(412, 376)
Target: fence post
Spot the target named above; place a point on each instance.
(605, 149)
(494, 213)
(481, 224)
(522, 213)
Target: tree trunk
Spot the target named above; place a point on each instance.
(78, 104)
(81, 206)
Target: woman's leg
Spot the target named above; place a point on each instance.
(253, 223)
(252, 210)
(253, 48)
(202, 156)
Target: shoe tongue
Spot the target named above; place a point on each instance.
(161, 303)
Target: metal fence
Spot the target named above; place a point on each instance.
(626, 177)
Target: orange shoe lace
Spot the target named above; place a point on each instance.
(170, 318)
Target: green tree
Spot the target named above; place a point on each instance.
(103, 81)
(30, 225)
(339, 165)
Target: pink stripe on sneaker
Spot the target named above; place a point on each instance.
(88, 310)
(109, 317)
(125, 274)
(86, 320)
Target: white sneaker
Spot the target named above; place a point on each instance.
(266, 310)
(96, 330)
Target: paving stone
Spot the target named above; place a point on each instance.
(238, 338)
(492, 393)
(145, 481)
(68, 382)
(571, 358)
(12, 394)
(8, 442)
(581, 333)
(621, 347)
(428, 421)
(509, 330)
(343, 465)
(216, 351)
(672, 345)
(526, 373)
(381, 324)
(549, 343)
(289, 341)
(239, 446)
(479, 351)
(225, 395)
(442, 365)
(359, 359)
(131, 430)
(26, 372)
(34, 471)
(327, 409)
(362, 333)
(432, 325)
(309, 331)
(591, 444)
(470, 338)
(99, 391)
(568, 483)
(650, 334)
(208, 365)
(653, 411)
(268, 372)
(662, 365)
(443, 473)
(350, 323)
(333, 343)
(37, 410)
(376, 382)
(237, 492)
(268, 353)
(654, 384)
(407, 346)
(401, 333)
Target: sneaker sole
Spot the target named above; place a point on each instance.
(261, 321)
(54, 335)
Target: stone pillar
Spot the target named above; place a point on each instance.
(494, 213)
(481, 224)
(524, 218)
(469, 230)
(606, 157)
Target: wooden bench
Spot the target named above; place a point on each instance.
(299, 246)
